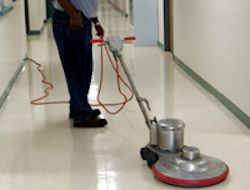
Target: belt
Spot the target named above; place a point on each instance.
(64, 13)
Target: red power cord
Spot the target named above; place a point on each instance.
(119, 79)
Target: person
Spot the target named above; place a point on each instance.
(72, 28)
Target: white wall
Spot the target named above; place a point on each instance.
(37, 14)
(161, 29)
(12, 43)
(213, 38)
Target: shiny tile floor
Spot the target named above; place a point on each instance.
(39, 150)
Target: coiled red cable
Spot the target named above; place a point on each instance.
(119, 79)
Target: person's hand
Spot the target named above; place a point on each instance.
(99, 30)
(76, 21)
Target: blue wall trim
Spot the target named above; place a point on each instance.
(36, 32)
(6, 10)
(11, 84)
(162, 46)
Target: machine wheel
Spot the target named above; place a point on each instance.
(152, 159)
(144, 153)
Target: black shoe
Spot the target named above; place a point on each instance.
(95, 122)
(95, 113)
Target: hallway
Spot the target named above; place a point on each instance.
(39, 150)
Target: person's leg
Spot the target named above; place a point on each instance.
(83, 68)
(69, 58)
(83, 51)
(78, 75)
(83, 65)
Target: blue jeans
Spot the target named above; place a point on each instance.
(75, 52)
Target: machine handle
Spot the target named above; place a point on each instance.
(129, 38)
(146, 102)
(96, 41)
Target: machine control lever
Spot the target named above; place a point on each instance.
(154, 121)
(146, 102)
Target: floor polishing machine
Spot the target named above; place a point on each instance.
(171, 161)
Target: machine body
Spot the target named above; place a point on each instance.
(171, 161)
(174, 163)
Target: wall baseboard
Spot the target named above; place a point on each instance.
(4, 96)
(241, 115)
(36, 32)
(116, 7)
(6, 10)
(162, 46)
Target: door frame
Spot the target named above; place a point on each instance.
(27, 20)
(49, 9)
(168, 25)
